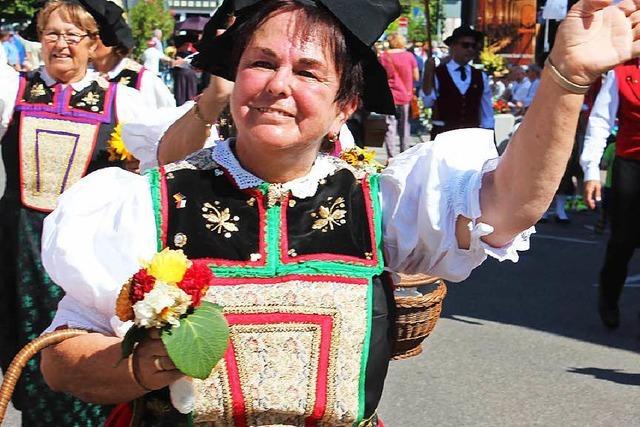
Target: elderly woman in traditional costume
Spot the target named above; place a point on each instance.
(55, 126)
(111, 60)
(299, 241)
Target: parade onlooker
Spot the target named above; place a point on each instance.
(157, 38)
(617, 99)
(533, 75)
(519, 89)
(13, 56)
(185, 78)
(113, 64)
(459, 93)
(402, 70)
(151, 57)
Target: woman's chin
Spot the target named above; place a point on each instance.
(273, 137)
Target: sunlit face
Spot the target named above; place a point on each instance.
(65, 62)
(464, 49)
(285, 89)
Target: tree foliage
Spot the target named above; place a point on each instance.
(146, 16)
(17, 10)
(417, 28)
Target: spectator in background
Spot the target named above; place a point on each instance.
(157, 37)
(13, 57)
(185, 78)
(402, 71)
(459, 93)
(519, 90)
(533, 75)
(3, 53)
(151, 58)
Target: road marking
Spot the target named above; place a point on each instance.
(564, 239)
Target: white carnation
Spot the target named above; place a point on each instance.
(163, 305)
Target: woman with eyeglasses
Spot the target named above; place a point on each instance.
(56, 124)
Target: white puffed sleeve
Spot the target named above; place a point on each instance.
(155, 91)
(143, 134)
(423, 192)
(94, 241)
(10, 81)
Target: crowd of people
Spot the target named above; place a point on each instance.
(106, 167)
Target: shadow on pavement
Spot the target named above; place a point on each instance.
(551, 289)
(612, 375)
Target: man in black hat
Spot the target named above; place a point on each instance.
(458, 93)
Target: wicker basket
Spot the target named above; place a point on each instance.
(417, 315)
(18, 363)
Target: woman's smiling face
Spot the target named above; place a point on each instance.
(65, 62)
(285, 90)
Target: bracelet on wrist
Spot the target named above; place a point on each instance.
(564, 82)
(134, 374)
(196, 112)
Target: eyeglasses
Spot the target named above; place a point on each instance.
(468, 45)
(70, 38)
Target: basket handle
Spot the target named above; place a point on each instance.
(18, 363)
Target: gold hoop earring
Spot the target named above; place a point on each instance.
(332, 138)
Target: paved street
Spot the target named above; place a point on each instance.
(521, 344)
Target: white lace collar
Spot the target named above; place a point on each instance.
(302, 187)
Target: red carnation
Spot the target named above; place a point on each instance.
(143, 282)
(196, 281)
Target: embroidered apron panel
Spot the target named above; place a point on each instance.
(54, 155)
(297, 351)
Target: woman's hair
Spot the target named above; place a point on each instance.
(70, 12)
(313, 21)
(121, 51)
(397, 41)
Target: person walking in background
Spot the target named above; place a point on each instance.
(459, 93)
(617, 99)
(402, 70)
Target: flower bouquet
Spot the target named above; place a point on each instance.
(166, 293)
(500, 106)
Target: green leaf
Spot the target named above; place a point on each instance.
(134, 335)
(196, 346)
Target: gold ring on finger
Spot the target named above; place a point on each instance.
(158, 364)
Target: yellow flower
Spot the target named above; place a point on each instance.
(117, 149)
(168, 266)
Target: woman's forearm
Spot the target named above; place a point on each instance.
(87, 367)
(518, 192)
(189, 133)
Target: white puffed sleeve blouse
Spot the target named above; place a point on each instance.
(104, 225)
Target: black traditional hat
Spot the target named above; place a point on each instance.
(464, 31)
(363, 20)
(114, 31)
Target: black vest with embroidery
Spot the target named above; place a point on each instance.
(300, 281)
(131, 75)
(56, 136)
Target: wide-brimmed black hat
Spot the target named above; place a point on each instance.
(464, 31)
(363, 21)
(113, 29)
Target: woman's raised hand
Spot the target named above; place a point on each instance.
(595, 37)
